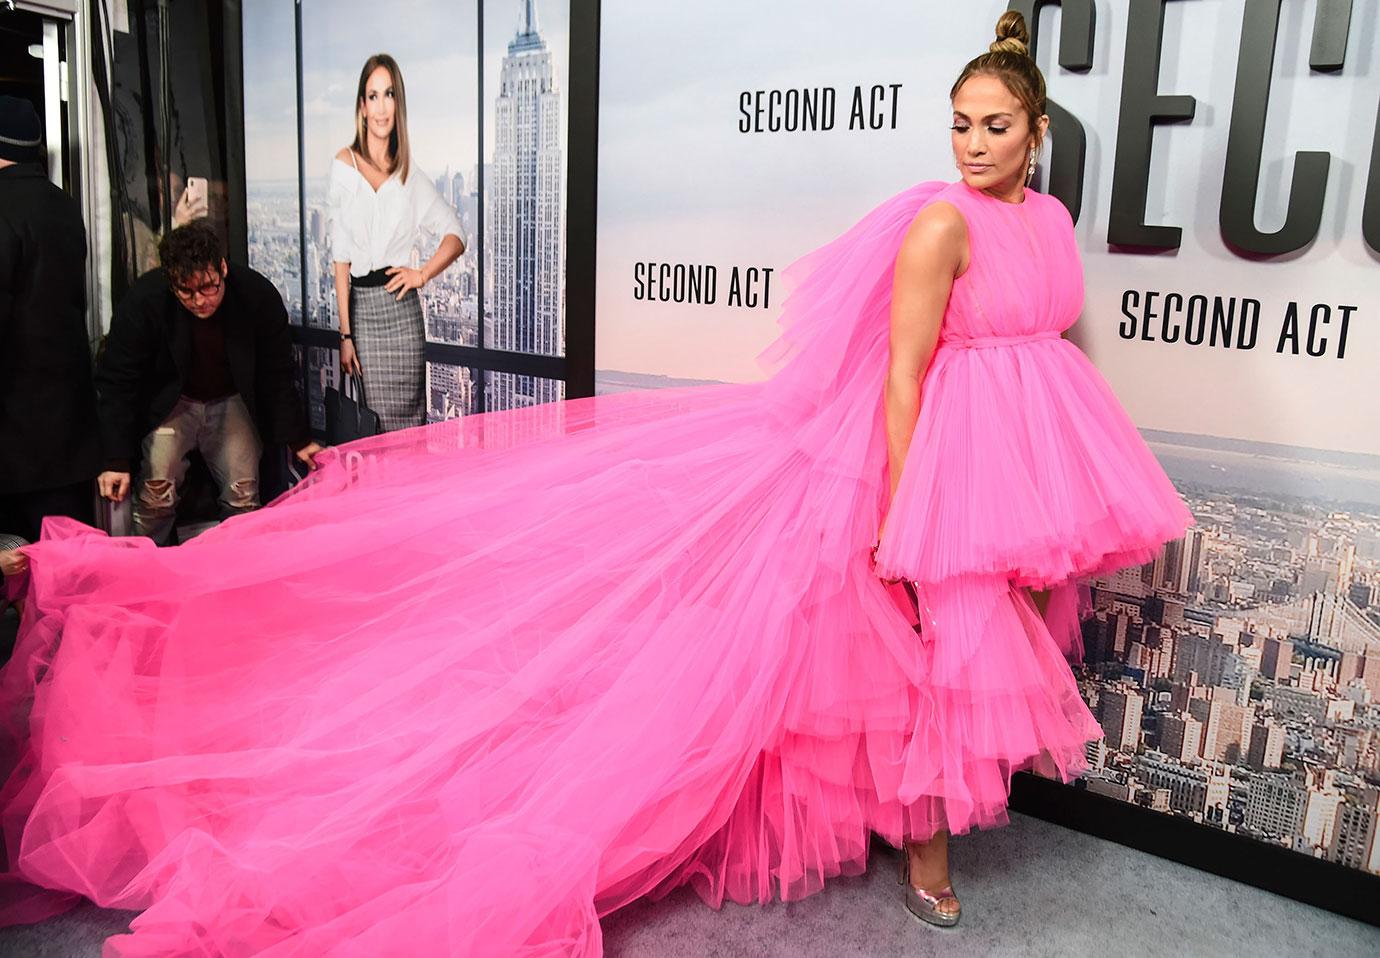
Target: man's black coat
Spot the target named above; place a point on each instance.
(47, 403)
(149, 351)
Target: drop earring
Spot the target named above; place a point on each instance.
(1030, 170)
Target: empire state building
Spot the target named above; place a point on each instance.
(525, 218)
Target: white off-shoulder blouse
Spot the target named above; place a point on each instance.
(377, 229)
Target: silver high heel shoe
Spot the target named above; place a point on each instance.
(924, 903)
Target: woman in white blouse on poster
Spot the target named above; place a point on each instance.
(380, 204)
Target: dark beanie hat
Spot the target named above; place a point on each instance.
(21, 132)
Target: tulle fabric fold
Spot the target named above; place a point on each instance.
(1074, 491)
(471, 686)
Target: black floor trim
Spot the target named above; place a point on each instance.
(1327, 885)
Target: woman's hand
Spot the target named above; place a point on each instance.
(192, 206)
(349, 360)
(403, 279)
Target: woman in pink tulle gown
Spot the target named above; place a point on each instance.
(473, 685)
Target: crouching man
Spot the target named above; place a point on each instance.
(198, 357)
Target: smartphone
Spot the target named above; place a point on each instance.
(196, 190)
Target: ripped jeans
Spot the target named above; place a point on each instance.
(225, 435)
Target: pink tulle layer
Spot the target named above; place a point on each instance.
(1077, 480)
(473, 685)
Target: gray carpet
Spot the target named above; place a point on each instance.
(1030, 890)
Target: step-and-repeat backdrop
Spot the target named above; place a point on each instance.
(1223, 160)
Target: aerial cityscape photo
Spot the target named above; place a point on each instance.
(1237, 677)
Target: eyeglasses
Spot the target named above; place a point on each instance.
(205, 290)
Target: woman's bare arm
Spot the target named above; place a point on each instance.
(349, 361)
(447, 252)
(933, 253)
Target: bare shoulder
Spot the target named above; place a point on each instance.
(344, 154)
(939, 233)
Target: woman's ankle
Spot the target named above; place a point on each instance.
(929, 862)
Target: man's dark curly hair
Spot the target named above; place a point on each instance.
(189, 250)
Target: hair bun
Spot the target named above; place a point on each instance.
(1013, 36)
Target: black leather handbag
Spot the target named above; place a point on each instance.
(348, 416)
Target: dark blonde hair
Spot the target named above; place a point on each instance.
(1009, 60)
(399, 156)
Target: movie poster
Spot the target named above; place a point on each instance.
(485, 118)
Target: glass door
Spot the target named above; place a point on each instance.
(45, 52)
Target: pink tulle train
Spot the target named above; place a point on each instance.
(471, 686)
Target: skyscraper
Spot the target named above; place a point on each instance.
(1121, 713)
(1200, 791)
(525, 210)
(1181, 737)
(1195, 555)
(1267, 745)
(1279, 654)
(1349, 668)
(1274, 805)
(1370, 672)
(1354, 839)
(1361, 594)
(1215, 662)
(1232, 725)
(448, 391)
(461, 199)
(1320, 814)
(1210, 713)
(1178, 568)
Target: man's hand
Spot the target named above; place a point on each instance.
(308, 454)
(13, 562)
(113, 485)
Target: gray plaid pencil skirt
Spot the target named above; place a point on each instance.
(389, 336)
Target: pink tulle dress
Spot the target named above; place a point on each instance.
(475, 684)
